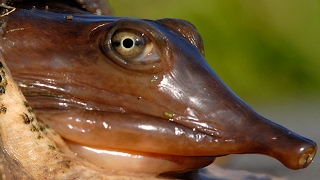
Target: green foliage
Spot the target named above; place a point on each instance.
(265, 49)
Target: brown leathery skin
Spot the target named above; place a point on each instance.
(69, 69)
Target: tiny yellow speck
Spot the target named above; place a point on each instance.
(167, 114)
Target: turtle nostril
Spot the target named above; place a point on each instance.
(307, 157)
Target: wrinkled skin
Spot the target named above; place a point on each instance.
(164, 102)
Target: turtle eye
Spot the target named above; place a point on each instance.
(132, 47)
(129, 45)
(135, 45)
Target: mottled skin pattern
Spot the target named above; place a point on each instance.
(71, 66)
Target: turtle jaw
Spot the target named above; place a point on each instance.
(139, 162)
(127, 142)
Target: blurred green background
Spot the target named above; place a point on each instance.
(263, 50)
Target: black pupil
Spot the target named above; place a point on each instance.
(128, 43)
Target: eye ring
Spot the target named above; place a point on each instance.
(128, 45)
(134, 45)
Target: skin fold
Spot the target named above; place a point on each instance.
(137, 86)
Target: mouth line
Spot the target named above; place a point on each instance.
(125, 140)
(129, 145)
(89, 122)
(138, 162)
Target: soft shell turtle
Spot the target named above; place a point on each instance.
(126, 96)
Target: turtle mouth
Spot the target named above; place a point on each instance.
(139, 162)
(127, 141)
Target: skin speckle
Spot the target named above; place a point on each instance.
(3, 72)
(3, 81)
(42, 128)
(27, 119)
(26, 104)
(67, 164)
(52, 147)
(3, 109)
(34, 128)
(2, 90)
